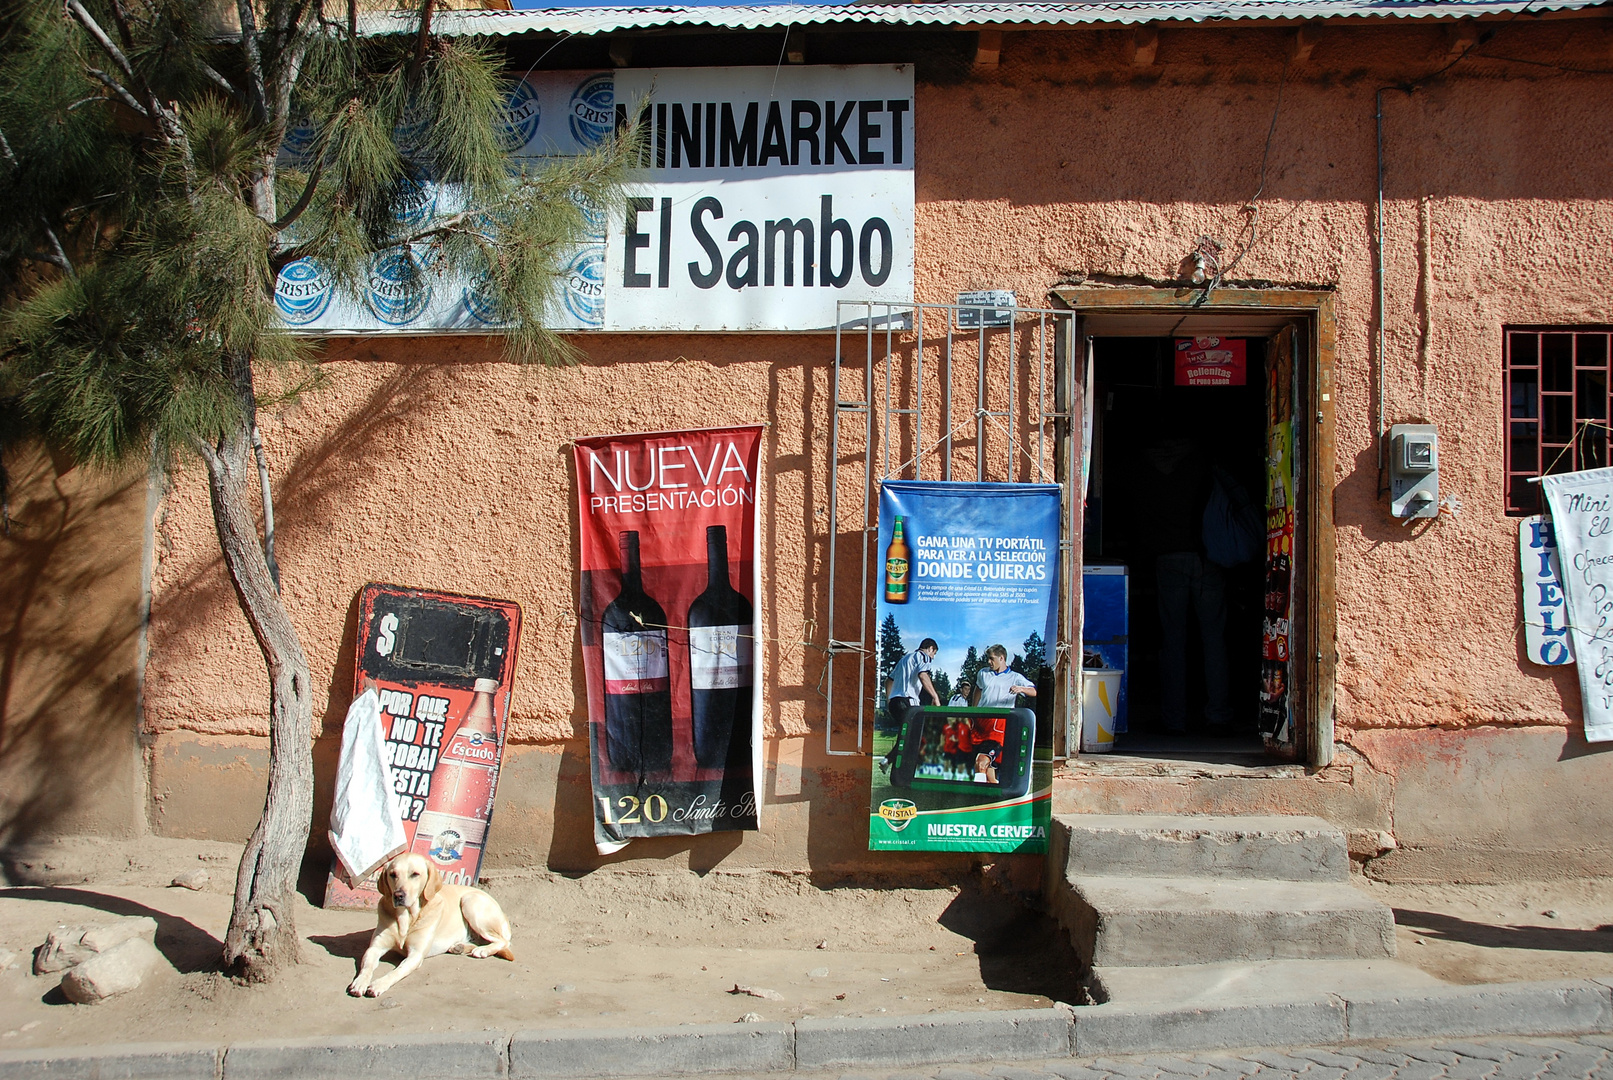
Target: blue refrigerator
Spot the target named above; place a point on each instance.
(1105, 629)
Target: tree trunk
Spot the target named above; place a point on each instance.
(262, 934)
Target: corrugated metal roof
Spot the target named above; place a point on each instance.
(609, 20)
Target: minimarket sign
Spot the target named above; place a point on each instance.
(763, 197)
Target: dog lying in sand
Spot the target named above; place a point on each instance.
(420, 916)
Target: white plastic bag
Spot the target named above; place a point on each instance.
(366, 820)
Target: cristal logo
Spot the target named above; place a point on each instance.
(448, 846)
(394, 288)
(898, 813)
(417, 200)
(592, 213)
(302, 292)
(593, 109)
(299, 138)
(481, 305)
(522, 115)
(585, 286)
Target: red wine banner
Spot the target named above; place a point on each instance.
(669, 581)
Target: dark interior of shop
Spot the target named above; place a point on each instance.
(1143, 420)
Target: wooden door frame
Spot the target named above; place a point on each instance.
(1316, 651)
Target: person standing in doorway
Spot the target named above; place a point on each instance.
(1175, 485)
(909, 684)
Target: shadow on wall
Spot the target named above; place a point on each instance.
(70, 596)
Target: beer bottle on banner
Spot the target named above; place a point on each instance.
(897, 567)
(453, 827)
(638, 692)
(721, 683)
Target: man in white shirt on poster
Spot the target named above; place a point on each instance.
(907, 687)
(999, 685)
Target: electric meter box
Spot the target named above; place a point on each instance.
(1414, 471)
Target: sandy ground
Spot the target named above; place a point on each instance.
(1503, 933)
(642, 950)
(607, 950)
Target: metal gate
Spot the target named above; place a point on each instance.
(942, 392)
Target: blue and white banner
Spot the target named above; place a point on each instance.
(1581, 505)
(967, 610)
(764, 196)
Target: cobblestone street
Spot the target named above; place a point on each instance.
(1582, 1058)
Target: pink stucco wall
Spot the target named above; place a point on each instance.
(430, 461)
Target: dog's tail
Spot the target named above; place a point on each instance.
(505, 953)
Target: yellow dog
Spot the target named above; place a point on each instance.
(420, 916)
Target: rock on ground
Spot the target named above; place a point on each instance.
(69, 946)
(115, 971)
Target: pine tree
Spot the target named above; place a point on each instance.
(148, 214)
(943, 685)
(1035, 657)
(889, 654)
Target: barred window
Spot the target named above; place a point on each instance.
(1557, 389)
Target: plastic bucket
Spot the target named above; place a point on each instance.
(1100, 696)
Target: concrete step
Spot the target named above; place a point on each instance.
(1162, 921)
(1266, 982)
(1146, 845)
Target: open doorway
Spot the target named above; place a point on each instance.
(1168, 441)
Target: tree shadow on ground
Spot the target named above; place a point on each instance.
(1545, 938)
(1021, 949)
(186, 946)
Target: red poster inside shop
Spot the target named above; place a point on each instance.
(444, 666)
(667, 615)
(1211, 361)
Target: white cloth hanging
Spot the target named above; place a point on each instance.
(366, 820)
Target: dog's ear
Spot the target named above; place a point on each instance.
(433, 883)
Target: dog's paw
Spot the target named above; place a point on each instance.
(370, 991)
(355, 989)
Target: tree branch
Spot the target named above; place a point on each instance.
(166, 122)
(217, 79)
(303, 200)
(108, 46)
(117, 88)
(423, 40)
(56, 254)
(258, 98)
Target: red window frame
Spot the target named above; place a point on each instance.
(1557, 390)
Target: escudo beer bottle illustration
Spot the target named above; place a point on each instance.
(638, 692)
(897, 567)
(721, 679)
(453, 826)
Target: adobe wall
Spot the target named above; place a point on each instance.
(430, 462)
(70, 579)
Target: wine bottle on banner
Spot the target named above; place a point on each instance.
(721, 679)
(638, 692)
(453, 827)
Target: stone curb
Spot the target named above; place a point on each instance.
(1524, 1009)
(654, 1051)
(126, 1061)
(934, 1037)
(449, 1056)
(1121, 1029)
(1539, 1008)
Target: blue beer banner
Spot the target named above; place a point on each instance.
(967, 609)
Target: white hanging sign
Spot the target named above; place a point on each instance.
(1581, 505)
(1545, 612)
